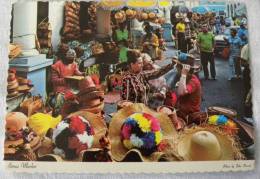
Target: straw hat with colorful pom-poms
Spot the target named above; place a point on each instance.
(72, 136)
(222, 121)
(138, 133)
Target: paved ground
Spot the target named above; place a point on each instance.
(220, 92)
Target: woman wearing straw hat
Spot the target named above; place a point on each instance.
(187, 97)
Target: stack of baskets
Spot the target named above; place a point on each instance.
(91, 26)
(71, 30)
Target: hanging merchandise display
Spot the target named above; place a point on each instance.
(71, 30)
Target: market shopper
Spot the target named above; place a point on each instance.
(243, 32)
(136, 87)
(120, 36)
(63, 68)
(188, 34)
(218, 25)
(150, 42)
(206, 43)
(187, 96)
(180, 34)
(235, 44)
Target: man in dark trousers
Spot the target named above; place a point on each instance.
(206, 45)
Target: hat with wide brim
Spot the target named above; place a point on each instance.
(230, 148)
(97, 122)
(119, 152)
(10, 146)
(95, 109)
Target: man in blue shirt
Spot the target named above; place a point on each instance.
(243, 33)
(235, 44)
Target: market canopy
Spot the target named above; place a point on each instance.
(200, 9)
(138, 4)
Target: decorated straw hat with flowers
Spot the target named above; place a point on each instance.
(138, 133)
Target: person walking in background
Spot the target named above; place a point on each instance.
(180, 34)
(150, 42)
(188, 34)
(206, 44)
(222, 23)
(120, 36)
(218, 25)
(243, 32)
(235, 44)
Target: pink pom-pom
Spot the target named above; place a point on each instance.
(155, 125)
(126, 131)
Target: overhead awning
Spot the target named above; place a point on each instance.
(112, 4)
(135, 4)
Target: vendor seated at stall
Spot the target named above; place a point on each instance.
(187, 96)
(63, 68)
(136, 87)
(62, 50)
(150, 42)
(120, 36)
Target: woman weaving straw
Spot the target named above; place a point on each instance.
(136, 87)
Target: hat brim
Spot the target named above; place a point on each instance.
(118, 151)
(98, 124)
(231, 149)
(88, 90)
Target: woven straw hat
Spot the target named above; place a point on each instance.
(98, 124)
(130, 13)
(120, 153)
(207, 143)
(152, 15)
(120, 16)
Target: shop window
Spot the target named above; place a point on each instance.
(43, 11)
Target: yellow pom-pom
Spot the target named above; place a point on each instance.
(213, 119)
(41, 123)
(128, 144)
(143, 123)
(158, 137)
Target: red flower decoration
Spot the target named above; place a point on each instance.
(163, 145)
(69, 95)
(77, 125)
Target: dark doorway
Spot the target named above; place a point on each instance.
(43, 11)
